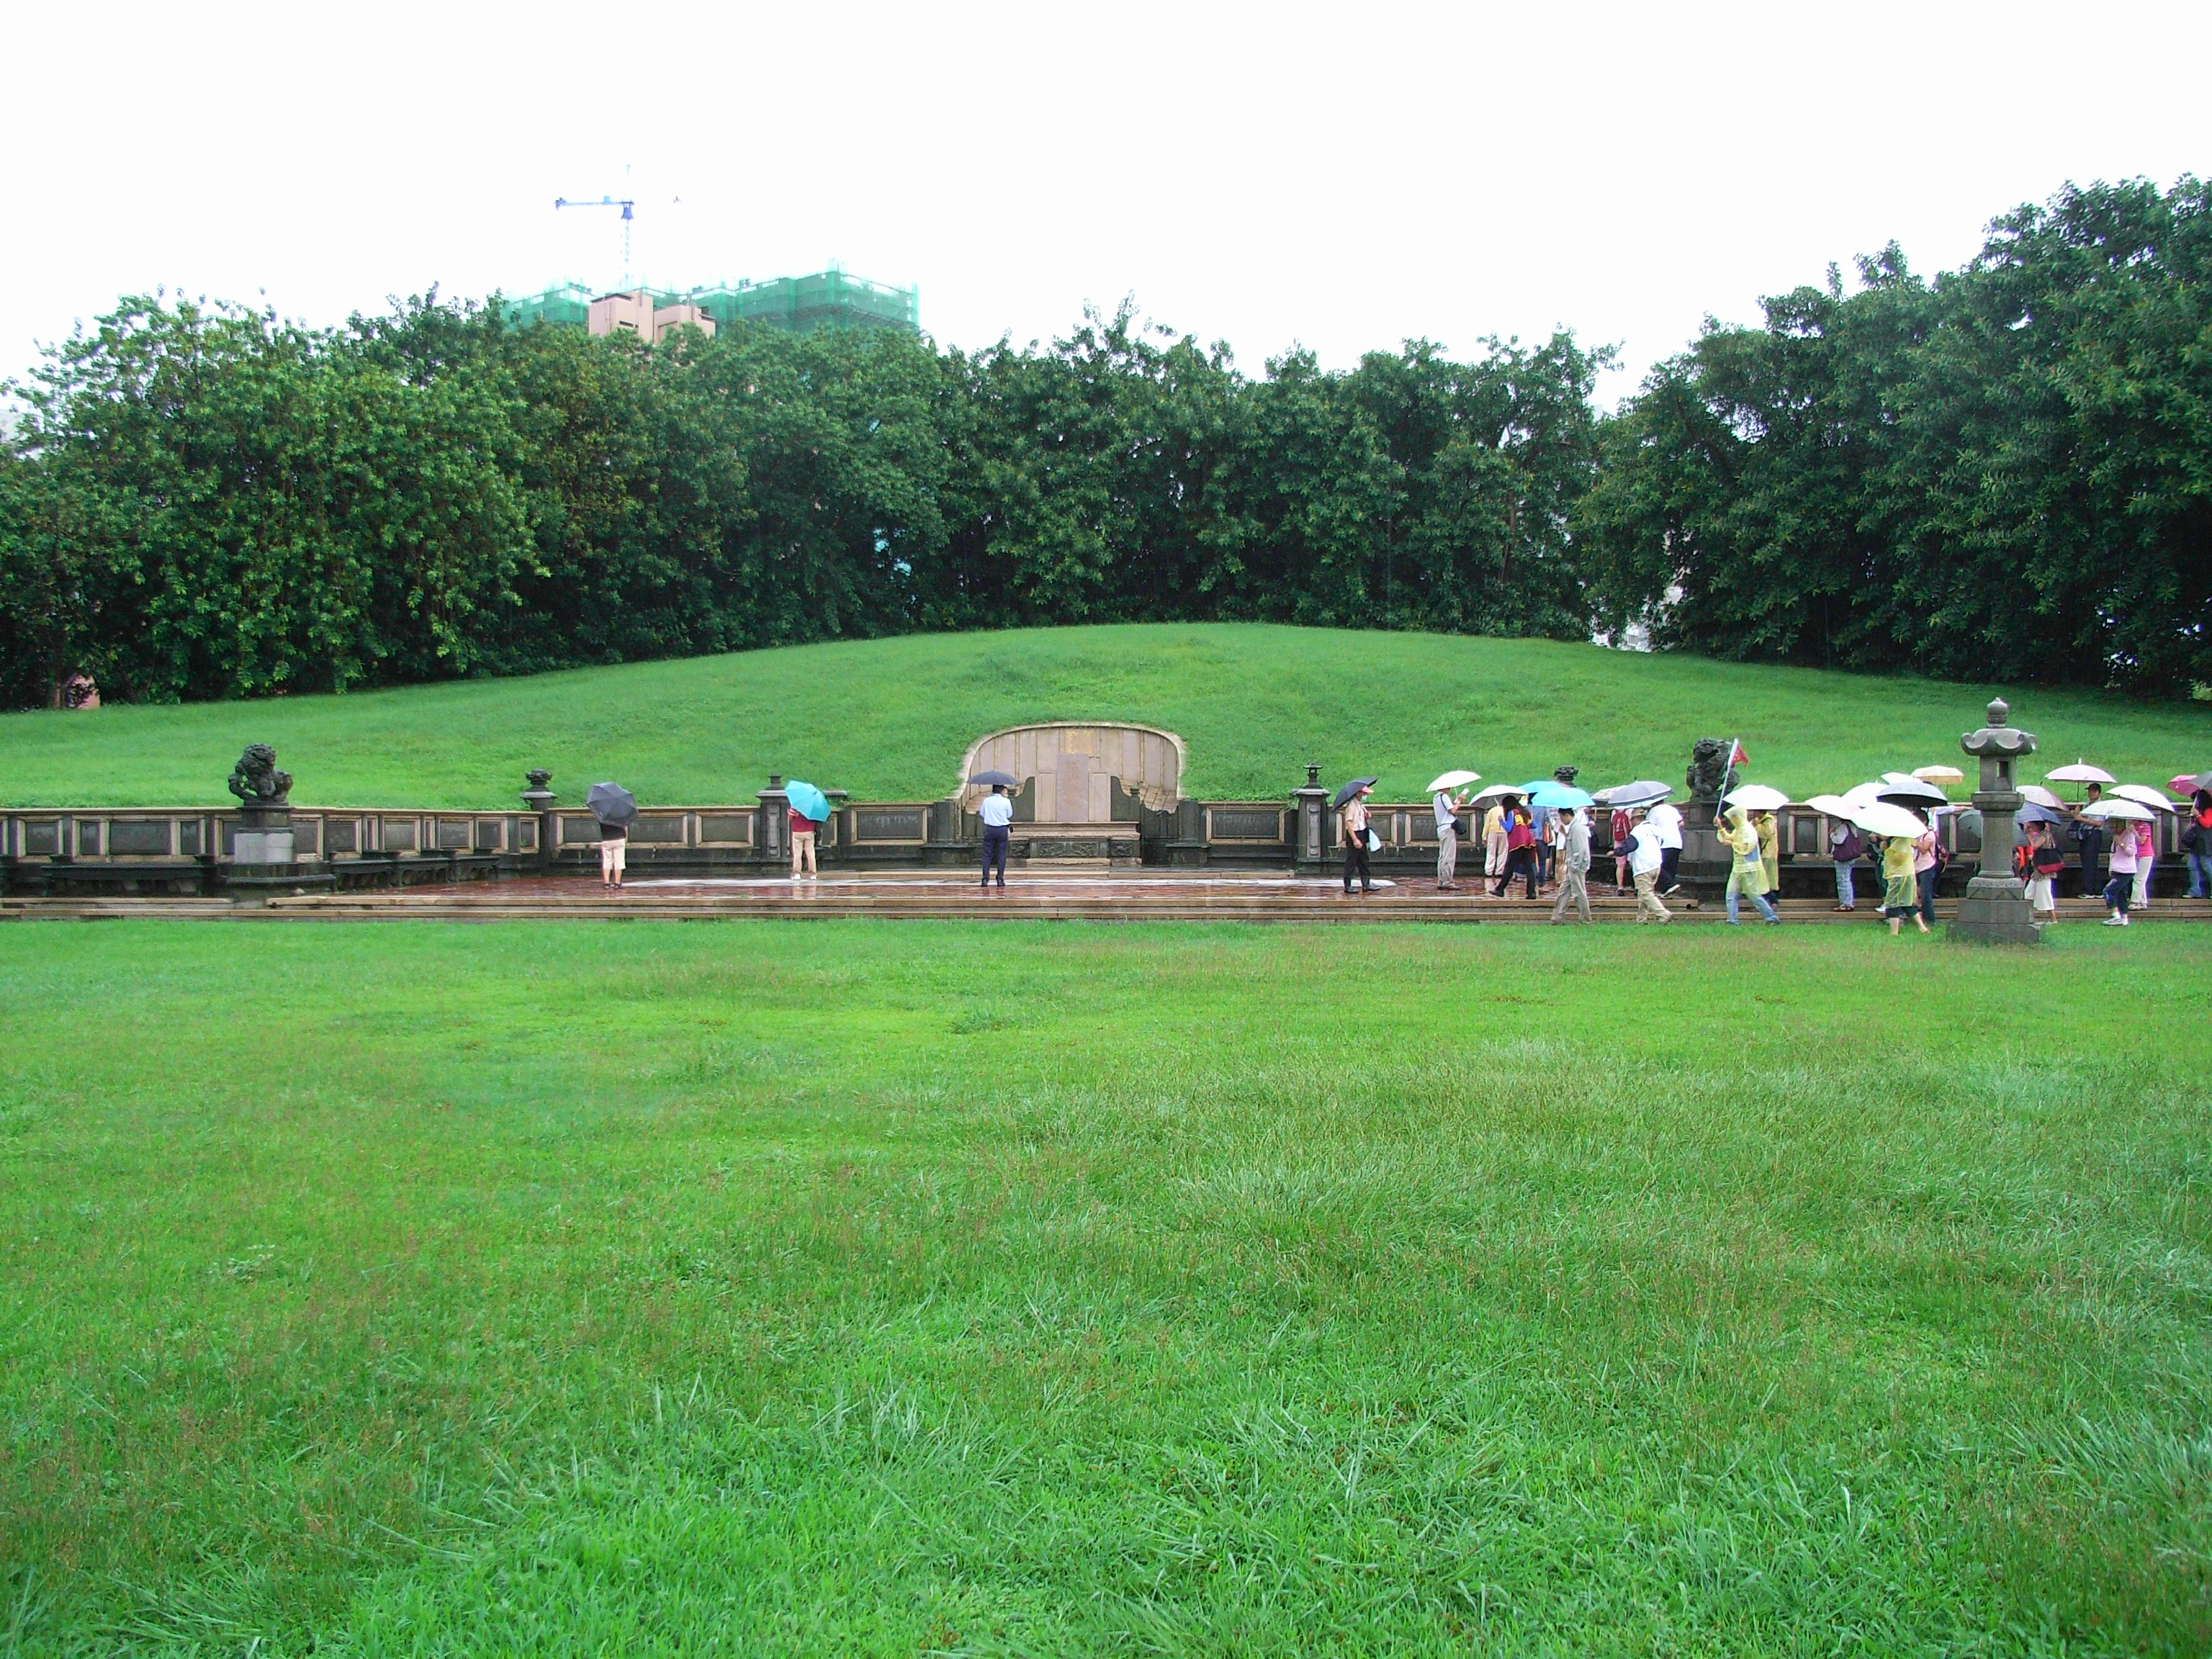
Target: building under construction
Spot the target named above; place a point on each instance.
(828, 299)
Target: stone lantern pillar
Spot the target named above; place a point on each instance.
(1996, 911)
(539, 800)
(1309, 837)
(775, 845)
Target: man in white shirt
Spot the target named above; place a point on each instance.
(997, 812)
(1646, 857)
(1666, 823)
(1447, 809)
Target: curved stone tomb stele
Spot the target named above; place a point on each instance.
(1074, 764)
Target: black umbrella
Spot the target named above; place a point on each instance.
(985, 780)
(1351, 789)
(1912, 792)
(610, 803)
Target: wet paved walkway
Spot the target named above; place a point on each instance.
(1130, 895)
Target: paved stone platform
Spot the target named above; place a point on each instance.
(1162, 895)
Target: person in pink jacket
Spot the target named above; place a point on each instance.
(2120, 891)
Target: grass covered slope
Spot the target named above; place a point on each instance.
(890, 719)
(577, 1290)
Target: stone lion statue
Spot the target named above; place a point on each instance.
(1708, 767)
(256, 780)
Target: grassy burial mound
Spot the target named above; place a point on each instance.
(1012, 1290)
(890, 719)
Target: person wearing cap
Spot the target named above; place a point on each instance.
(1355, 841)
(997, 812)
(1643, 864)
(1574, 865)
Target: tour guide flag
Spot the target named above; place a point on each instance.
(1738, 756)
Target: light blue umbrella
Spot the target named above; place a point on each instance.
(1541, 783)
(1562, 797)
(807, 801)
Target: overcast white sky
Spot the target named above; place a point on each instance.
(1343, 176)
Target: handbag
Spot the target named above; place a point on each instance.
(1374, 841)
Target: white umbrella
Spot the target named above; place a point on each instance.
(1496, 791)
(2118, 807)
(1911, 789)
(2080, 772)
(1455, 780)
(2040, 796)
(1939, 775)
(1889, 821)
(2143, 795)
(1834, 805)
(1757, 797)
(1862, 794)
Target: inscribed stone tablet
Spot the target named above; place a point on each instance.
(140, 836)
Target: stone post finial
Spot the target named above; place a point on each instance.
(1996, 908)
(1313, 773)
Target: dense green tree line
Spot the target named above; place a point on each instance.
(205, 501)
(2012, 464)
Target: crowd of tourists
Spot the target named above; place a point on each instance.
(1541, 836)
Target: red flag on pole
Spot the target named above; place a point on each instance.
(1738, 755)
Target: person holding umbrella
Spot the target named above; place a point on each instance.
(809, 806)
(2088, 828)
(2042, 861)
(997, 813)
(2196, 844)
(2120, 891)
(1447, 806)
(614, 808)
(1520, 848)
(1352, 804)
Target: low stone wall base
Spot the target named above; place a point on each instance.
(1996, 911)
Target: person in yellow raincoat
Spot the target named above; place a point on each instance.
(1746, 876)
(1901, 886)
(1770, 852)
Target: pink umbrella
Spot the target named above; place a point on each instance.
(2188, 783)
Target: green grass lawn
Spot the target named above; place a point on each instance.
(888, 719)
(909, 1288)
